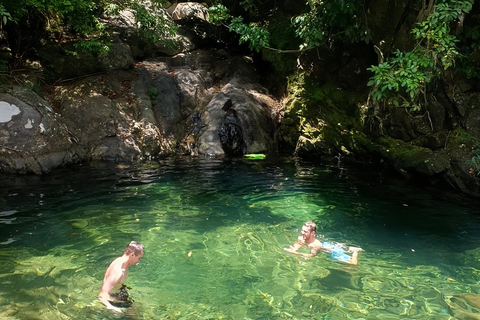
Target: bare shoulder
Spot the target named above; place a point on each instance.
(114, 264)
(114, 269)
(315, 244)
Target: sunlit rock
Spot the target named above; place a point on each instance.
(190, 9)
(7, 111)
(34, 139)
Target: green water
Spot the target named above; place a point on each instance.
(214, 233)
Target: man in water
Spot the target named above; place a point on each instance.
(307, 239)
(113, 290)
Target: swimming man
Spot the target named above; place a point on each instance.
(307, 239)
(116, 274)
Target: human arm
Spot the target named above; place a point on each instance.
(293, 249)
(104, 296)
(305, 255)
(314, 247)
(112, 277)
(313, 252)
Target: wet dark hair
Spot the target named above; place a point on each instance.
(311, 225)
(135, 247)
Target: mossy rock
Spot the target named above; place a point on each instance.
(327, 118)
(423, 160)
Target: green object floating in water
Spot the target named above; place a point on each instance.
(79, 223)
(255, 156)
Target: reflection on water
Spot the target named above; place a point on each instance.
(214, 233)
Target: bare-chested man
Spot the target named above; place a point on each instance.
(307, 239)
(117, 273)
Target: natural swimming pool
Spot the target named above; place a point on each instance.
(214, 232)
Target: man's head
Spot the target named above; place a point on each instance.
(309, 229)
(135, 251)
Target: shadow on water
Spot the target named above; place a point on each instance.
(214, 232)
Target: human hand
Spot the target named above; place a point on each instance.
(115, 309)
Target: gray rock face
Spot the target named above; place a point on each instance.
(33, 139)
(190, 9)
(153, 110)
(171, 100)
(245, 127)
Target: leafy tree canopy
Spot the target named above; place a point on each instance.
(322, 21)
(402, 80)
(31, 20)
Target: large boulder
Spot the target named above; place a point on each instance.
(108, 120)
(239, 120)
(190, 9)
(33, 138)
(124, 28)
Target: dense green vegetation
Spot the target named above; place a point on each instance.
(26, 24)
(81, 17)
(318, 24)
(400, 79)
(403, 79)
(440, 42)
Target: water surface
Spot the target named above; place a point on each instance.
(214, 232)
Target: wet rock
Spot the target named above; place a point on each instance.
(231, 135)
(249, 117)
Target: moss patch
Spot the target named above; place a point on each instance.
(325, 114)
(403, 153)
(459, 138)
(408, 155)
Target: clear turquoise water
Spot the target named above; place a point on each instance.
(214, 232)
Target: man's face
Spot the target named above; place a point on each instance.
(136, 259)
(306, 232)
